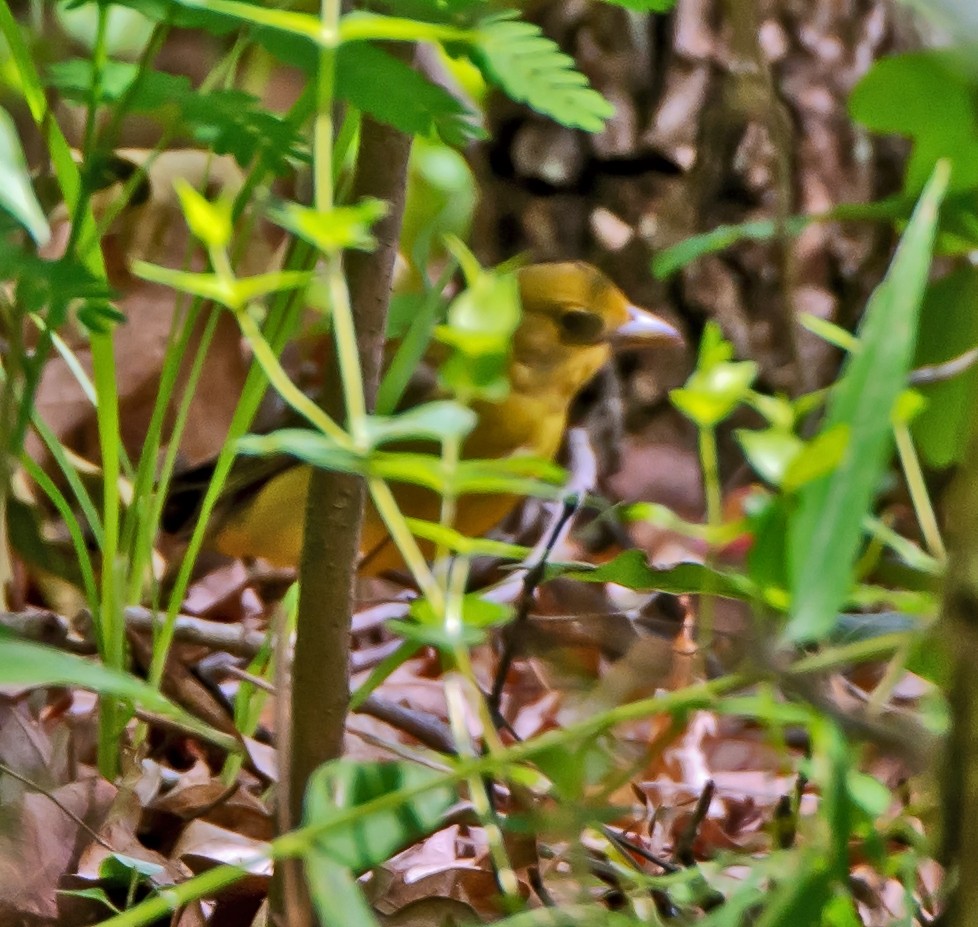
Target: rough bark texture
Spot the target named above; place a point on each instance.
(959, 632)
(725, 111)
(320, 674)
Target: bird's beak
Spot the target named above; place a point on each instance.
(642, 329)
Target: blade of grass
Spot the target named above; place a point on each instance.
(826, 530)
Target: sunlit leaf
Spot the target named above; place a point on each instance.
(16, 193)
(453, 540)
(818, 457)
(208, 221)
(340, 228)
(232, 293)
(770, 451)
(717, 385)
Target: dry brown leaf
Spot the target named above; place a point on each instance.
(40, 843)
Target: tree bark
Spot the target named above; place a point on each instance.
(334, 510)
(958, 632)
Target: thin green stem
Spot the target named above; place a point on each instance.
(344, 330)
(283, 318)
(279, 379)
(65, 464)
(450, 453)
(388, 509)
(709, 461)
(300, 841)
(107, 417)
(478, 792)
(82, 555)
(917, 485)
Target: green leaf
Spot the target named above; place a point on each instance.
(480, 326)
(948, 328)
(412, 318)
(209, 222)
(153, 91)
(441, 420)
(817, 458)
(829, 332)
(395, 93)
(462, 544)
(126, 32)
(246, 290)
(897, 95)
(299, 24)
(910, 403)
(630, 569)
(644, 6)
(310, 446)
(868, 793)
(769, 451)
(366, 840)
(573, 768)
(665, 263)
(27, 664)
(441, 199)
(476, 612)
(840, 911)
(335, 893)
(91, 894)
(99, 316)
(184, 16)
(42, 284)
(521, 476)
(360, 26)
(226, 121)
(16, 193)
(661, 516)
(340, 228)
(117, 867)
(717, 385)
(438, 636)
(767, 558)
(798, 900)
(235, 294)
(825, 532)
(517, 56)
(207, 286)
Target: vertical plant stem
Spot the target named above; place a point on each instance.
(107, 418)
(714, 518)
(917, 485)
(334, 510)
(958, 635)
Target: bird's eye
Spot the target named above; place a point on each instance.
(579, 326)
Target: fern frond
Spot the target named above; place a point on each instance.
(531, 69)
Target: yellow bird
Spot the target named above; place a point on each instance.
(573, 318)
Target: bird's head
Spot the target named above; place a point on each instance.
(573, 318)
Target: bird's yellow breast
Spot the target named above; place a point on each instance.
(571, 315)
